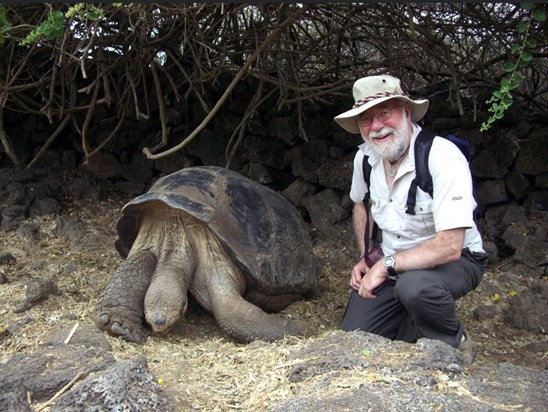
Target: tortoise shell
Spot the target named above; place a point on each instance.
(260, 230)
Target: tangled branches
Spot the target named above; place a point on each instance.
(133, 59)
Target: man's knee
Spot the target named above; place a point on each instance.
(418, 286)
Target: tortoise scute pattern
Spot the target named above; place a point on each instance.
(258, 227)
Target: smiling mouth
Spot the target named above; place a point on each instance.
(378, 138)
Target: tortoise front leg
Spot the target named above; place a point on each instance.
(119, 309)
(218, 286)
(242, 320)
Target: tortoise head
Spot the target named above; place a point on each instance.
(164, 308)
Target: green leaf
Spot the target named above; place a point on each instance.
(539, 15)
(522, 27)
(514, 85)
(526, 56)
(507, 101)
(55, 32)
(509, 67)
(515, 48)
(499, 115)
(366, 352)
(526, 6)
(4, 22)
(497, 94)
(58, 17)
(518, 77)
(532, 43)
(92, 15)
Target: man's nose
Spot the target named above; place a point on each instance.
(376, 124)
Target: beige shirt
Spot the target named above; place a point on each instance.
(451, 207)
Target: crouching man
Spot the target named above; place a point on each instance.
(431, 257)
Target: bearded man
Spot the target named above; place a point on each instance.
(430, 258)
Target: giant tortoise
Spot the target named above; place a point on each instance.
(239, 247)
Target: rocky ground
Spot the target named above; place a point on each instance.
(53, 267)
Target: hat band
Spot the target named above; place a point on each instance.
(361, 102)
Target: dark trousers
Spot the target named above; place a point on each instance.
(418, 302)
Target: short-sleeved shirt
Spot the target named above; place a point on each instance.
(451, 206)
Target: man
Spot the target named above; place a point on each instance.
(431, 258)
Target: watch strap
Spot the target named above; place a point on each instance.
(390, 268)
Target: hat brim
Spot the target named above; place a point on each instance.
(348, 120)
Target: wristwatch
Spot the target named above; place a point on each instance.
(389, 263)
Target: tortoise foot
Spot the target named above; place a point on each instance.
(118, 324)
(119, 310)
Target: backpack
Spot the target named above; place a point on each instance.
(423, 178)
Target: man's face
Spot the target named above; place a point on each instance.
(387, 129)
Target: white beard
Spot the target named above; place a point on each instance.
(394, 149)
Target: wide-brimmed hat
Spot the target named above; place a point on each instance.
(373, 90)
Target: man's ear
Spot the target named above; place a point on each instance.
(408, 110)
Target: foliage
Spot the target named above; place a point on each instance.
(51, 28)
(502, 99)
(5, 24)
(85, 11)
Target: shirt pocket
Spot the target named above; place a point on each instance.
(420, 224)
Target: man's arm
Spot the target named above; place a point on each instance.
(359, 218)
(445, 247)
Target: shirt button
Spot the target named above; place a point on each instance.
(389, 200)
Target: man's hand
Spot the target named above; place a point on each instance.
(358, 272)
(373, 278)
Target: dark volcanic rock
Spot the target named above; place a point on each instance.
(46, 371)
(359, 371)
(125, 386)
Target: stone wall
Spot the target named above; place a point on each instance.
(509, 163)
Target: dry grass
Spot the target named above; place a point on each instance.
(199, 367)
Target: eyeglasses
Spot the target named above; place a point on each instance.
(366, 119)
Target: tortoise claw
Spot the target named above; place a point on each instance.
(126, 328)
(126, 333)
(118, 330)
(105, 319)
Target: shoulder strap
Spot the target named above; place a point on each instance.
(423, 178)
(367, 177)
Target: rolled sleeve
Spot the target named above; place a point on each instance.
(359, 188)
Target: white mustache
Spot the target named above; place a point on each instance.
(385, 131)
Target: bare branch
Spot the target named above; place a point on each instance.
(203, 51)
(275, 33)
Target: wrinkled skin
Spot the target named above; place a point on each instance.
(175, 253)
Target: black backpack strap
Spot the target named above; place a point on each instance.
(423, 178)
(411, 197)
(367, 177)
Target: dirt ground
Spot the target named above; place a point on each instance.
(198, 366)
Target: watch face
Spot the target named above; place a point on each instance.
(388, 261)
